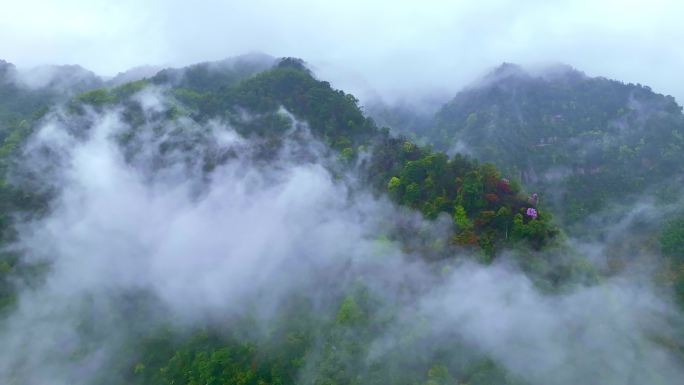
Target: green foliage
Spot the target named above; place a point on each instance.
(471, 192)
(672, 239)
(227, 365)
(672, 247)
(331, 114)
(439, 375)
(7, 272)
(102, 97)
(128, 89)
(475, 196)
(394, 185)
(97, 98)
(487, 372)
(461, 218)
(347, 154)
(535, 231)
(350, 313)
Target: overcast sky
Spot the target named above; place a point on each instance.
(394, 47)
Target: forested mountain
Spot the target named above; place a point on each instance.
(587, 143)
(27, 94)
(243, 222)
(601, 154)
(488, 209)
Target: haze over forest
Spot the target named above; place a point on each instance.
(341, 193)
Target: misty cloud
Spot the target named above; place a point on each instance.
(140, 216)
(591, 335)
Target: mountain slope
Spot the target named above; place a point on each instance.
(490, 211)
(248, 241)
(588, 143)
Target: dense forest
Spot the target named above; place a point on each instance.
(334, 250)
(588, 144)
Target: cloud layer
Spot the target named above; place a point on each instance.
(147, 218)
(397, 49)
